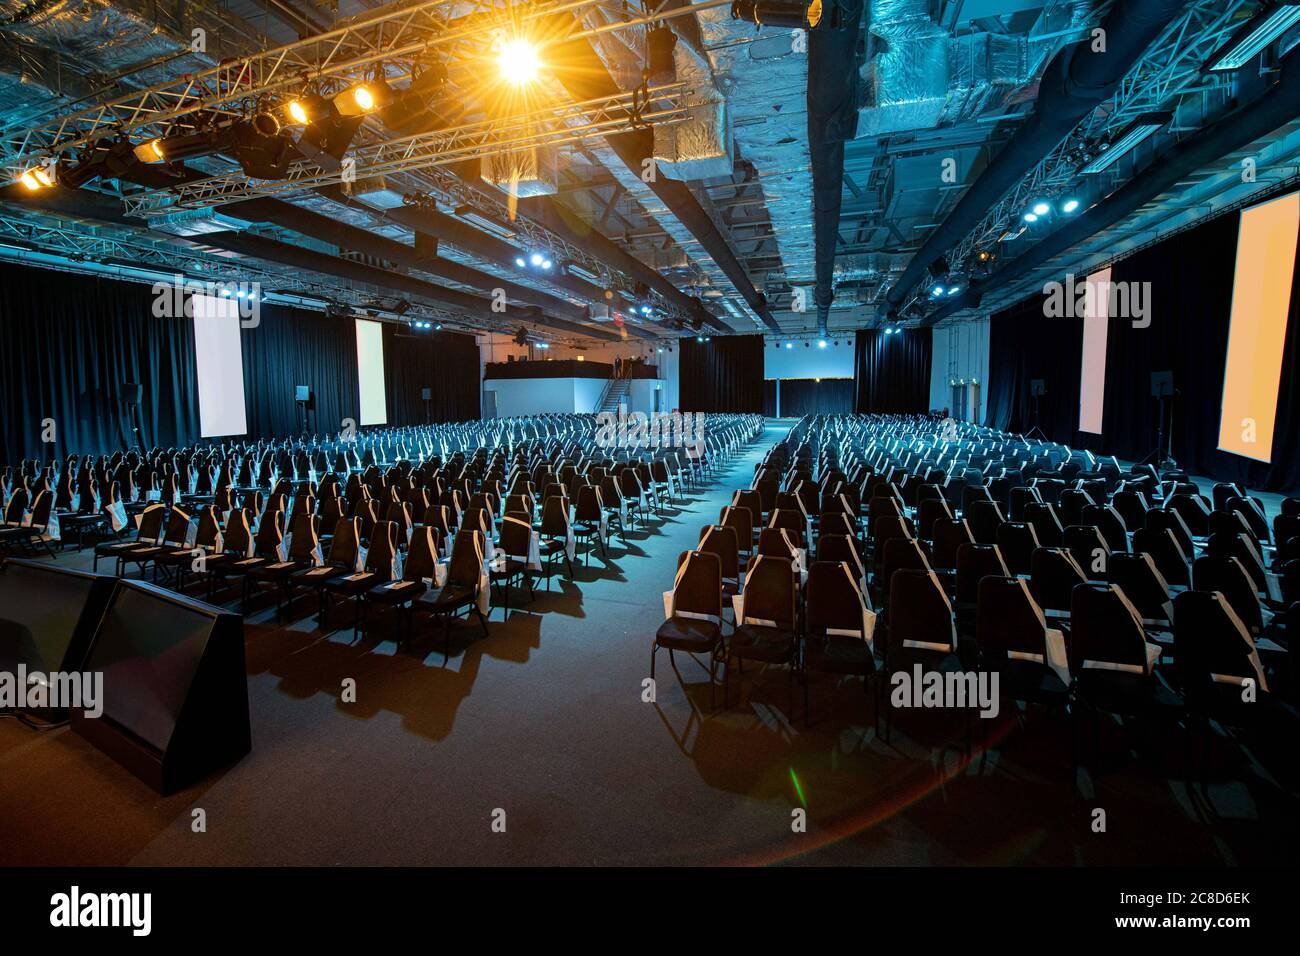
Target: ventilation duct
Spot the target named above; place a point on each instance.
(699, 147)
(197, 222)
(918, 77)
(533, 171)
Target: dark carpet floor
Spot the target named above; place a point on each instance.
(545, 721)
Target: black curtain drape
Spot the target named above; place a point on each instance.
(891, 373)
(447, 363)
(810, 396)
(769, 397)
(290, 347)
(68, 344)
(1025, 344)
(1191, 276)
(723, 374)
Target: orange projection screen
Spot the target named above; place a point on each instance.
(1092, 373)
(1261, 299)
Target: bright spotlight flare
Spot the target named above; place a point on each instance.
(518, 62)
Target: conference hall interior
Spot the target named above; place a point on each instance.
(656, 433)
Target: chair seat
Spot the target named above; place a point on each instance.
(352, 585)
(398, 593)
(116, 547)
(447, 598)
(275, 570)
(240, 565)
(840, 655)
(310, 577)
(759, 642)
(688, 634)
(1119, 692)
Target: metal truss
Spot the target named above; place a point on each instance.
(1170, 68)
(390, 40)
(54, 236)
(597, 117)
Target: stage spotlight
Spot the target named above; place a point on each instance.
(699, 338)
(1031, 217)
(789, 345)
(821, 343)
(150, 152)
(1041, 209)
(36, 178)
(438, 327)
(937, 291)
(1070, 205)
(645, 310)
(363, 98)
(262, 154)
(537, 258)
(520, 262)
(225, 293)
(798, 14)
(297, 111)
(518, 62)
(546, 263)
(954, 289)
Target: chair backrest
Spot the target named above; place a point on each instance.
(383, 549)
(723, 542)
(1017, 542)
(698, 586)
(555, 515)
(1164, 549)
(777, 542)
(421, 554)
(465, 566)
(770, 592)
(346, 543)
(1226, 575)
(1106, 629)
(1047, 526)
(949, 535)
(304, 536)
(1089, 548)
(236, 538)
(1137, 576)
(983, 517)
(516, 537)
(270, 532)
(919, 613)
(841, 548)
(976, 561)
(1008, 619)
(1211, 645)
(1053, 576)
(742, 521)
(150, 527)
(833, 601)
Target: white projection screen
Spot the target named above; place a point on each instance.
(370, 373)
(1092, 372)
(1261, 301)
(219, 363)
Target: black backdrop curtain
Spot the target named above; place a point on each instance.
(1025, 344)
(68, 343)
(444, 362)
(724, 374)
(809, 396)
(290, 347)
(891, 373)
(1191, 276)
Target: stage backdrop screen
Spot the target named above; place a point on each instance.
(219, 365)
(370, 373)
(1261, 299)
(1092, 373)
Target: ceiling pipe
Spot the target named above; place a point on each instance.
(297, 257)
(1275, 108)
(1076, 81)
(91, 206)
(347, 236)
(833, 63)
(585, 76)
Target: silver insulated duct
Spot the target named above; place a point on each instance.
(699, 147)
(917, 76)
